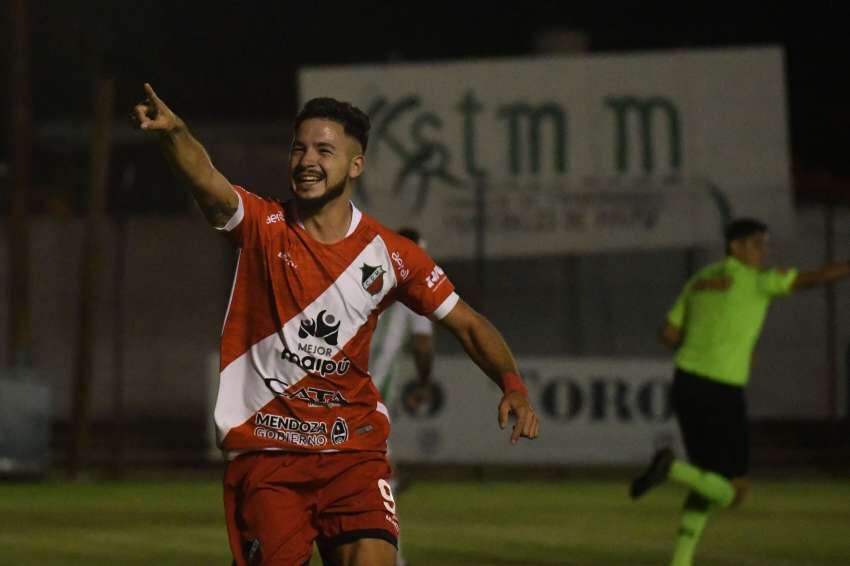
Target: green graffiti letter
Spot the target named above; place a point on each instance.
(470, 106)
(645, 109)
(534, 117)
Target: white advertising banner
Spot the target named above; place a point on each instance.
(592, 412)
(572, 154)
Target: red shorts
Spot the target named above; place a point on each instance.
(278, 503)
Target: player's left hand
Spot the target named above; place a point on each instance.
(518, 405)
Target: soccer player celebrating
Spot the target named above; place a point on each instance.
(713, 327)
(297, 412)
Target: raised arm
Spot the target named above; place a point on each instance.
(188, 158)
(486, 347)
(825, 274)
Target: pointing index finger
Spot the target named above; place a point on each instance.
(151, 94)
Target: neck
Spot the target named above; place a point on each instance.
(328, 224)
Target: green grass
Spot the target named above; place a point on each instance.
(567, 523)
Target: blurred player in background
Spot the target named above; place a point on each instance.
(713, 327)
(398, 326)
(297, 412)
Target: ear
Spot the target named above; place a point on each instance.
(356, 165)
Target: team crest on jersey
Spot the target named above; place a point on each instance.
(373, 278)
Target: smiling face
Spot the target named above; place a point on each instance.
(323, 160)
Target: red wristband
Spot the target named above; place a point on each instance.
(513, 382)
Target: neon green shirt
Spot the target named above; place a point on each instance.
(721, 327)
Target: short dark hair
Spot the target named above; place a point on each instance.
(354, 122)
(411, 234)
(743, 228)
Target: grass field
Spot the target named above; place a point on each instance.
(577, 522)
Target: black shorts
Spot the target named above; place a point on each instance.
(713, 419)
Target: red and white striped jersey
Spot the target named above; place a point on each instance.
(295, 342)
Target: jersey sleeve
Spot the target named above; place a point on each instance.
(777, 282)
(423, 285)
(252, 212)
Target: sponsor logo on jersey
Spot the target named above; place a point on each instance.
(339, 432)
(280, 422)
(291, 437)
(436, 277)
(315, 364)
(317, 397)
(373, 278)
(402, 268)
(275, 217)
(326, 327)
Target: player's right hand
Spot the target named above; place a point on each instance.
(152, 114)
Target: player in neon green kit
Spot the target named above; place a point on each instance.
(713, 327)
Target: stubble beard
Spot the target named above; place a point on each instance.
(311, 205)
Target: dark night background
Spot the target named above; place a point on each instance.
(236, 61)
